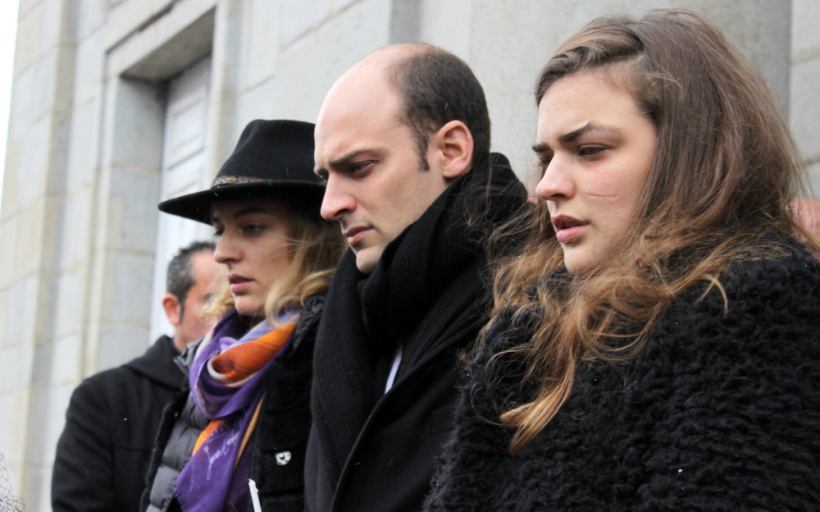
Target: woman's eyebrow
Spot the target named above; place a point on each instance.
(569, 137)
(590, 127)
(245, 211)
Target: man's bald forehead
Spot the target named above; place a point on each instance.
(389, 54)
(386, 58)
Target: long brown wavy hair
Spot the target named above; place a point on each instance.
(316, 246)
(718, 190)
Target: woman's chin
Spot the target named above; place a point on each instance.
(252, 310)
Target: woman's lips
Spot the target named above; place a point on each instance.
(568, 229)
(569, 235)
(238, 284)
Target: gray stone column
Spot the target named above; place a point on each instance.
(805, 85)
(34, 200)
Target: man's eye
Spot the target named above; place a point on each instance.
(359, 167)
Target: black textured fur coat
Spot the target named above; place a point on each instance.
(720, 411)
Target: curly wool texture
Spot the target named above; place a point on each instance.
(720, 411)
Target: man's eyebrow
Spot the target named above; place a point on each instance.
(346, 158)
(343, 160)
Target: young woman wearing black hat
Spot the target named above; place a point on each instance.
(247, 416)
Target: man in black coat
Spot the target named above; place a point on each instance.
(113, 416)
(403, 142)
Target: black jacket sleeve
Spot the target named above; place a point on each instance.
(83, 472)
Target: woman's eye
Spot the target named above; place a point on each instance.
(543, 163)
(590, 151)
(218, 231)
(252, 229)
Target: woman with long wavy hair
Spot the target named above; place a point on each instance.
(656, 343)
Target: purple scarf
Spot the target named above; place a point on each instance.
(213, 480)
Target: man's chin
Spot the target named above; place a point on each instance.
(367, 259)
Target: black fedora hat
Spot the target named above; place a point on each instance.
(272, 159)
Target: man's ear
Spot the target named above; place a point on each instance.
(454, 149)
(172, 307)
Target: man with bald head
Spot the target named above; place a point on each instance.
(403, 142)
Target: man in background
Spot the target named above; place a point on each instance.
(113, 416)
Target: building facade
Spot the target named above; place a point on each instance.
(118, 104)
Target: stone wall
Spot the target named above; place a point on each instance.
(84, 144)
(804, 108)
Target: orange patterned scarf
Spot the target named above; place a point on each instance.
(237, 364)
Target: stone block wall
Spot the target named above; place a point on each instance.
(804, 112)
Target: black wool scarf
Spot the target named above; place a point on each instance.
(437, 262)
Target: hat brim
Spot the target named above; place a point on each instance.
(197, 206)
